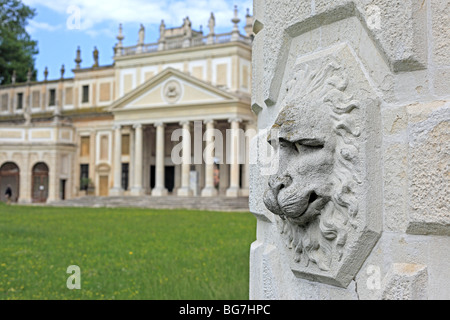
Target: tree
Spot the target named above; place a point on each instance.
(17, 49)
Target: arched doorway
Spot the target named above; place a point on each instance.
(39, 183)
(9, 177)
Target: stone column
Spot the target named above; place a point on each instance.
(147, 150)
(160, 189)
(224, 182)
(117, 187)
(92, 154)
(25, 181)
(177, 178)
(234, 189)
(250, 132)
(137, 189)
(209, 190)
(185, 189)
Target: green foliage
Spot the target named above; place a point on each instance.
(17, 50)
(124, 253)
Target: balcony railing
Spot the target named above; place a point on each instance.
(172, 44)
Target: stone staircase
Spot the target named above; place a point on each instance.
(170, 202)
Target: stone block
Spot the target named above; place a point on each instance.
(429, 170)
(441, 32)
(405, 281)
(388, 59)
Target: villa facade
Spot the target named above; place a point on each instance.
(112, 130)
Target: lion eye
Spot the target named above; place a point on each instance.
(308, 145)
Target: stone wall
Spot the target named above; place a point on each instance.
(354, 96)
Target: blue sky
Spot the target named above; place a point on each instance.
(58, 32)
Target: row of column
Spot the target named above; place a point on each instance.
(209, 190)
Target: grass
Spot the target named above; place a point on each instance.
(124, 253)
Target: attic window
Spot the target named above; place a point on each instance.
(85, 94)
(52, 97)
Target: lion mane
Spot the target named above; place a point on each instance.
(323, 239)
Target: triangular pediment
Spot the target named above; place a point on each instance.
(171, 87)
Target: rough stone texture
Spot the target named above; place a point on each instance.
(405, 281)
(397, 56)
(440, 31)
(429, 173)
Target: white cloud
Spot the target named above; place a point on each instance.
(148, 12)
(34, 26)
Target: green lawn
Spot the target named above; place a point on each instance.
(124, 253)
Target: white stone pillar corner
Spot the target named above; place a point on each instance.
(117, 186)
(234, 189)
(209, 190)
(137, 189)
(185, 190)
(160, 189)
(250, 132)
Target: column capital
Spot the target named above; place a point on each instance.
(185, 123)
(239, 120)
(117, 127)
(250, 123)
(137, 126)
(159, 124)
(210, 121)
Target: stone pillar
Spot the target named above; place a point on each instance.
(117, 186)
(353, 202)
(185, 189)
(250, 132)
(224, 182)
(148, 146)
(92, 155)
(209, 190)
(25, 181)
(160, 189)
(177, 178)
(234, 189)
(137, 189)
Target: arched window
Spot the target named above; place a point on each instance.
(9, 180)
(39, 189)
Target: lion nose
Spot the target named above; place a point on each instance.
(277, 183)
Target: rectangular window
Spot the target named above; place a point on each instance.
(105, 92)
(69, 96)
(52, 97)
(19, 101)
(84, 176)
(125, 144)
(125, 173)
(85, 94)
(35, 99)
(104, 148)
(222, 75)
(4, 102)
(85, 145)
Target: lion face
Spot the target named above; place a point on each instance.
(305, 144)
(316, 138)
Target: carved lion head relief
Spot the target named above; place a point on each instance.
(315, 189)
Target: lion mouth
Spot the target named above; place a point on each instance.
(312, 197)
(299, 208)
(304, 206)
